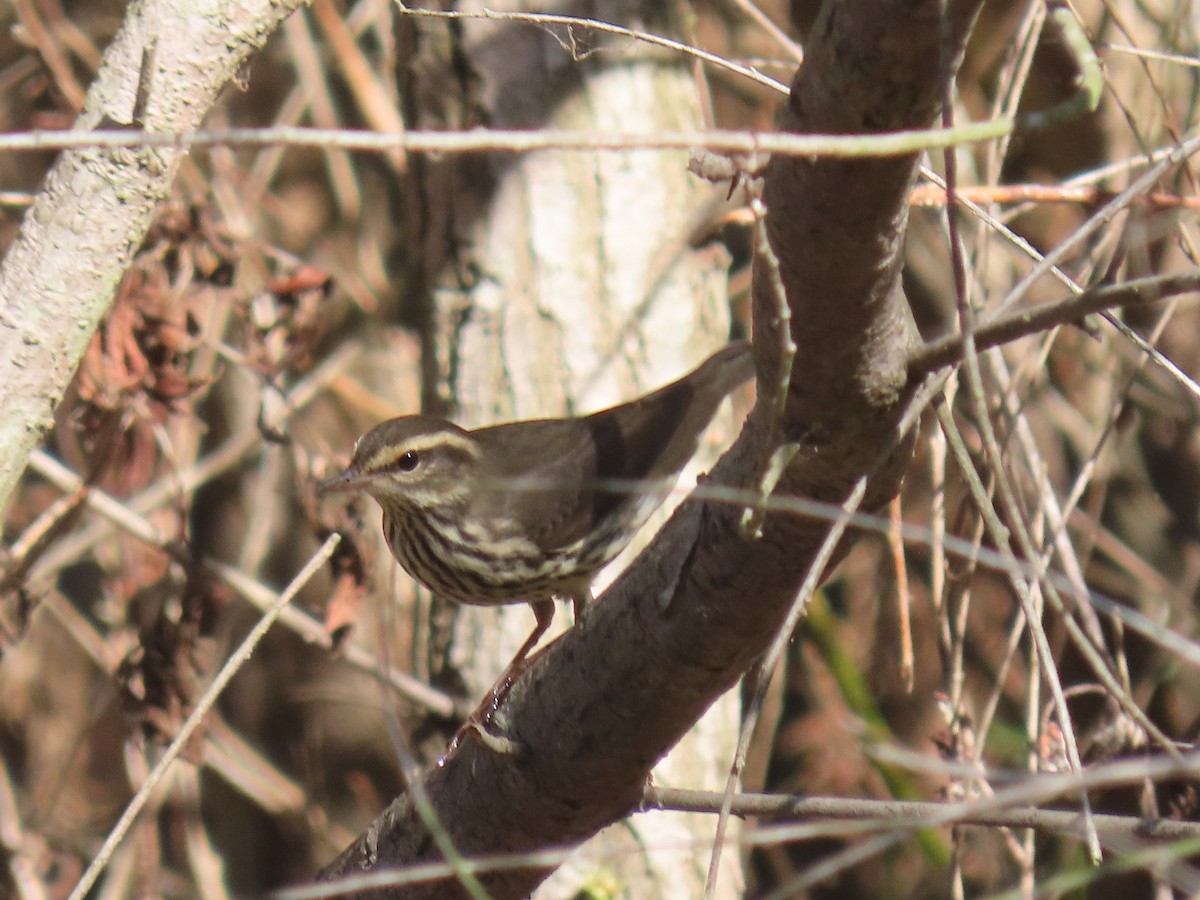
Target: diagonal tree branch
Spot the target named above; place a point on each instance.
(602, 704)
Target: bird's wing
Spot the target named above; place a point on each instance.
(542, 478)
(574, 475)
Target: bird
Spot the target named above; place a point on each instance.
(530, 511)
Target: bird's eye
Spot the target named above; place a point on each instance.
(408, 461)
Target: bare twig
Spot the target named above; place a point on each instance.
(236, 660)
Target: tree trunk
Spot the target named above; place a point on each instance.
(582, 292)
(610, 699)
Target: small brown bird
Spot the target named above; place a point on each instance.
(528, 511)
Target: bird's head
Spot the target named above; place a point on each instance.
(412, 463)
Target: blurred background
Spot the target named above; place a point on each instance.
(287, 299)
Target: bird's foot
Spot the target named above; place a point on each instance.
(482, 720)
(497, 743)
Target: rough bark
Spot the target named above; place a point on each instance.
(606, 702)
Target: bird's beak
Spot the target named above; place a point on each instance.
(350, 480)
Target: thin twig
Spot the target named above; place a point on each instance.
(1002, 329)
(915, 813)
(891, 143)
(236, 660)
(607, 28)
(254, 591)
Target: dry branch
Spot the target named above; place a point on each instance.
(605, 702)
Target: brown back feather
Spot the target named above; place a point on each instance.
(567, 462)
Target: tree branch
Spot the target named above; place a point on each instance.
(917, 814)
(77, 239)
(602, 704)
(1023, 322)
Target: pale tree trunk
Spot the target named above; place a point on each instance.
(584, 293)
(591, 719)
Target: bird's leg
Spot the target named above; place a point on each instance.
(481, 717)
(580, 601)
(543, 610)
